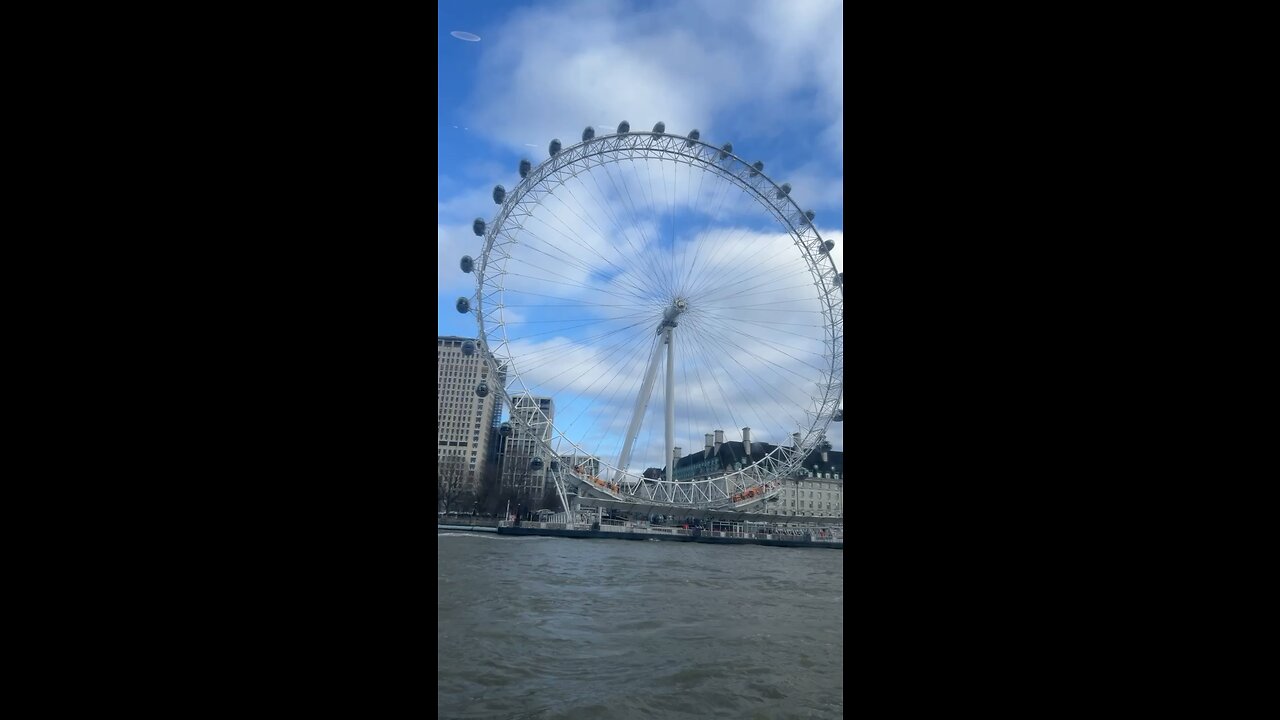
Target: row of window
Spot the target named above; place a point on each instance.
(821, 495)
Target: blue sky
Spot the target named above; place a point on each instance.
(766, 76)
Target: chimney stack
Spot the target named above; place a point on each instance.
(746, 440)
(719, 440)
(675, 452)
(824, 456)
(707, 452)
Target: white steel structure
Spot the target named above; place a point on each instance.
(635, 250)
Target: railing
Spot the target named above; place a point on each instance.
(466, 520)
(816, 535)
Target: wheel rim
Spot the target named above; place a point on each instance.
(518, 254)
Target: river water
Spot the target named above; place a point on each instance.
(538, 627)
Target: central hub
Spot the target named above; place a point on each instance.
(671, 313)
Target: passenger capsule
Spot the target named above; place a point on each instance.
(839, 279)
(555, 466)
(505, 428)
(624, 127)
(808, 217)
(839, 416)
(589, 133)
(468, 348)
(757, 168)
(693, 137)
(726, 150)
(463, 305)
(468, 264)
(555, 148)
(826, 247)
(659, 128)
(524, 168)
(783, 190)
(535, 464)
(482, 389)
(499, 194)
(477, 227)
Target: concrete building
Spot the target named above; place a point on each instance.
(815, 489)
(531, 418)
(466, 421)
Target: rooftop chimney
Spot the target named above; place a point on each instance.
(719, 440)
(675, 453)
(824, 456)
(707, 452)
(746, 440)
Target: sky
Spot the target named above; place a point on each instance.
(587, 280)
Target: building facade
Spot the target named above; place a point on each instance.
(466, 421)
(815, 489)
(531, 419)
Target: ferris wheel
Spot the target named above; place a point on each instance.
(639, 292)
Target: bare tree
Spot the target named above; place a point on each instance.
(522, 501)
(550, 499)
(450, 483)
(488, 491)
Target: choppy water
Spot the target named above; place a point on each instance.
(534, 627)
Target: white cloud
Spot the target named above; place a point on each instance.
(551, 70)
(813, 186)
(452, 242)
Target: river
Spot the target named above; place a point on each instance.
(538, 627)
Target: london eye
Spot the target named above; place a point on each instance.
(659, 288)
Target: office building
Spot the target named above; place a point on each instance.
(466, 421)
(531, 419)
